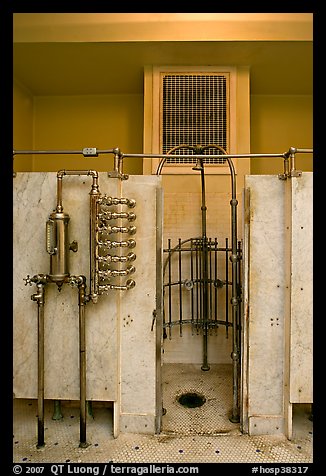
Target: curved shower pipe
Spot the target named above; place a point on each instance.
(234, 258)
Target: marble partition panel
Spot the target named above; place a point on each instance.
(34, 199)
(266, 283)
(137, 337)
(301, 336)
(120, 344)
(279, 301)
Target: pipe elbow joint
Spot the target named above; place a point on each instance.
(93, 173)
(36, 297)
(117, 151)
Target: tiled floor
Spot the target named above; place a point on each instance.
(189, 435)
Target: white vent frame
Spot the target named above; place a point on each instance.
(154, 76)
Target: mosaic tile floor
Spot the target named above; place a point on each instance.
(210, 418)
(181, 440)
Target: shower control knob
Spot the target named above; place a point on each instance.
(28, 280)
(130, 284)
(131, 203)
(37, 279)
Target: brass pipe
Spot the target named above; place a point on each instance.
(39, 298)
(234, 258)
(82, 360)
(93, 246)
(205, 366)
(86, 152)
(59, 193)
(94, 195)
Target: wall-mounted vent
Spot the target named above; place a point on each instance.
(196, 106)
(195, 111)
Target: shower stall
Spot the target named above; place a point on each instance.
(192, 279)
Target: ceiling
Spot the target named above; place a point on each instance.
(276, 67)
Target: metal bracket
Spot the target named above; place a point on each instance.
(115, 174)
(293, 173)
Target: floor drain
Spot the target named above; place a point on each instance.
(191, 400)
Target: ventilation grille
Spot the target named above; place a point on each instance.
(195, 112)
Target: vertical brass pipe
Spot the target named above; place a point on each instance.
(227, 287)
(235, 416)
(93, 248)
(39, 298)
(82, 360)
(205, 365)
(180, 287)
(59, 206)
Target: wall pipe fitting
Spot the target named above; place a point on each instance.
(289, 166)
(118, 166)
(117, 244)
(117, 215)
(116, 272)
(117, 259)
(105, 288)
(108, 201)
(131, 230)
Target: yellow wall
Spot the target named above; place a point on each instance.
(277, 123)
(75, 122)
(22, 126)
